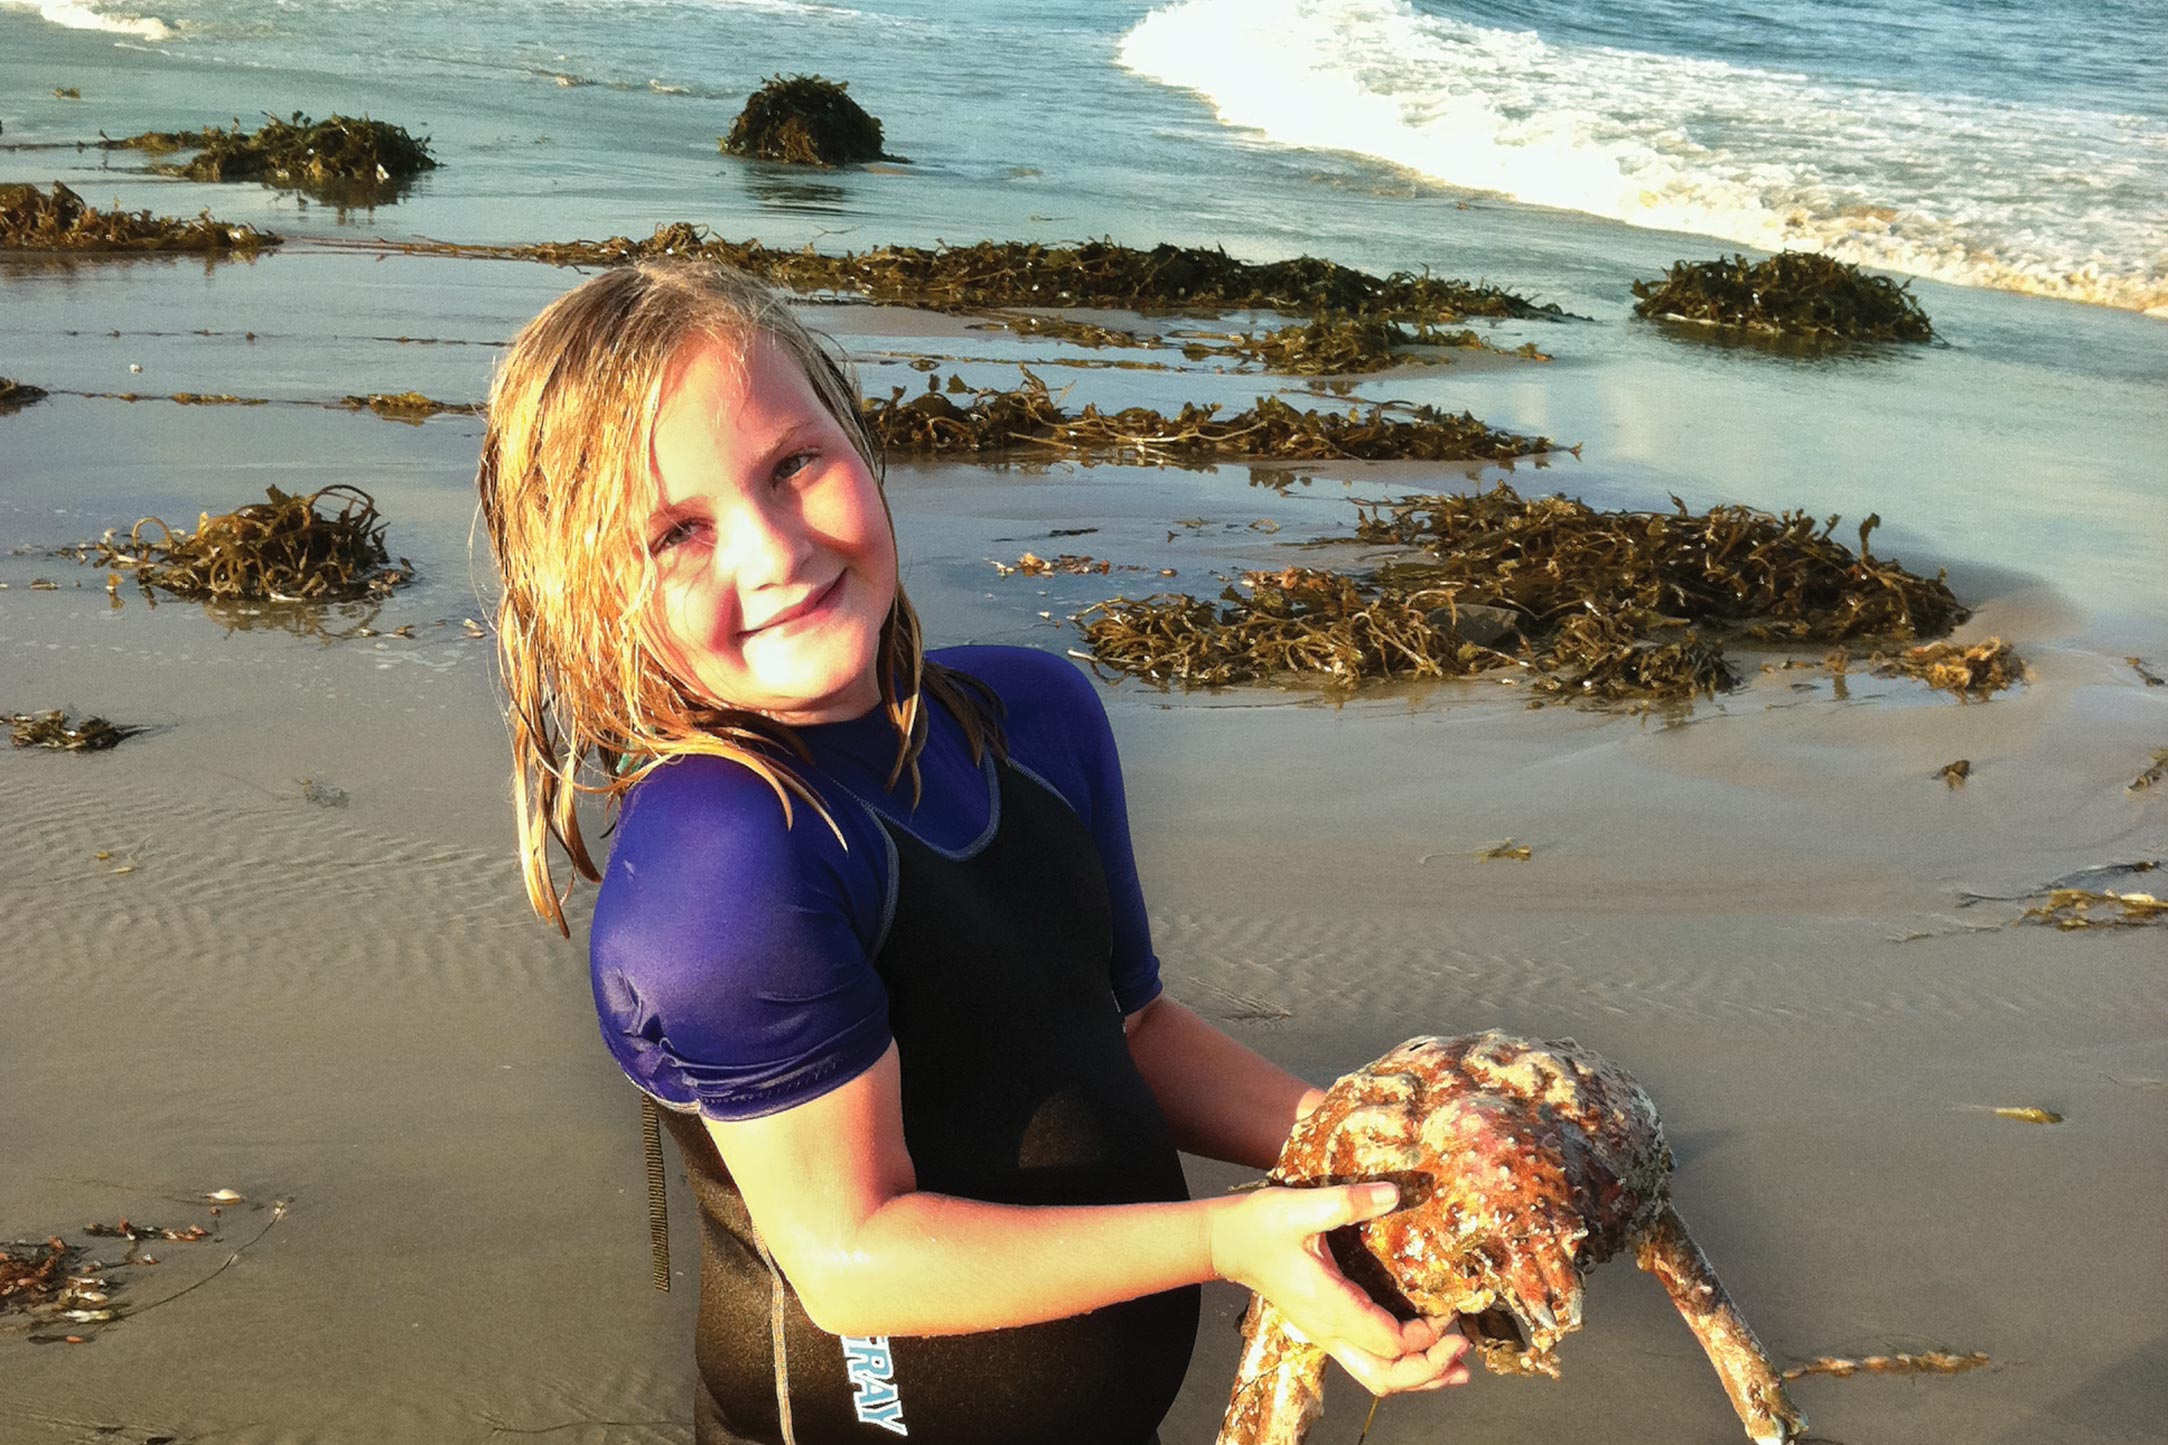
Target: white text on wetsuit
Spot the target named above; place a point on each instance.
(872, 1373)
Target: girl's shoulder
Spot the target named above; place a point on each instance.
(1053, 723)
(1035, 686)
(708, 801)
(730, 953)
(704, 838)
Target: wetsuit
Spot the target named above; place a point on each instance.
(996, 935)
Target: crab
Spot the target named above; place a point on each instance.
(1520, 1165)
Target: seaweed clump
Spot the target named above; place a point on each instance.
(805, 120)
(1030, 418)
(15, 395)
(1101, 273)
(52, 1279)
(53, 730)
(1971, 672)
(1332, 345)
(410, 407)
(31, 220)
(58, 1284)
(1301, 621)
(2070, 909)
(1068, 564)
(1796, 293)
(337, 154)
(1610, 606)
(279, 550)
(1328, 345)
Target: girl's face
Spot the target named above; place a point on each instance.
(774, 560)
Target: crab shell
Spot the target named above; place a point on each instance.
(1520, 1165)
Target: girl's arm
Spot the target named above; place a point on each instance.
(831, 1187)
(1222, 1099)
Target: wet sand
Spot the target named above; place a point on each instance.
(1755, 906)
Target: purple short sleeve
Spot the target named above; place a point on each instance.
(731, 970)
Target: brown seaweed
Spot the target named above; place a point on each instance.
(1954, 774)
(1971, 671)
(1780, 578)
(1335, 345)
(1068, 564)
(279, 550)
(57, 1282)
(805, 120)
(126, 1228)
(15, 395)
(993, 274)
(1030, 418)
(51, 1276)
(403, 406)
(1796, 293)
(54, 730)
(216, 398)
(1074, 331)
(30, 220)
(409, 406)
(2157, 770)
(1330, 345)
(2073, 908)
(345, 158)
(1301, 621)
(1610, 606)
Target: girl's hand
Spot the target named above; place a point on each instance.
(1273, 1242)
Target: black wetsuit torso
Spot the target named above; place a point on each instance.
(1018, 1088)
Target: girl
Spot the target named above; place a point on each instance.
(870, 929)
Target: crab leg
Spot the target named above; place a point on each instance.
(1757, 1392)
(1279, 1385)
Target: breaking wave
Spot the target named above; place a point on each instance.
(82, 15)
(2023, 197)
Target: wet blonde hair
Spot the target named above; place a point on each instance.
(567, 481)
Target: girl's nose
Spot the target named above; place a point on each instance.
(767, 543)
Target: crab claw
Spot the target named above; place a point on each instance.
(1544, 1297)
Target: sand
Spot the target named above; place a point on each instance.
(345, 1003)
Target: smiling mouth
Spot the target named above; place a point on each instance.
(807, 608)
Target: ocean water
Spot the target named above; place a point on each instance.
(2022, 147)
(1997, 145)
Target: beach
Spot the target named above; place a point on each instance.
(277, 943)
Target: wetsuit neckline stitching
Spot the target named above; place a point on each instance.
(888, 893)
(890, 827)
(1053, 792)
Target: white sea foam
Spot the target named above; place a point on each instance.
(83, 15)
(772, 7)
(2060, 202)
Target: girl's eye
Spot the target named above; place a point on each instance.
(672, 537)
(795, 463)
